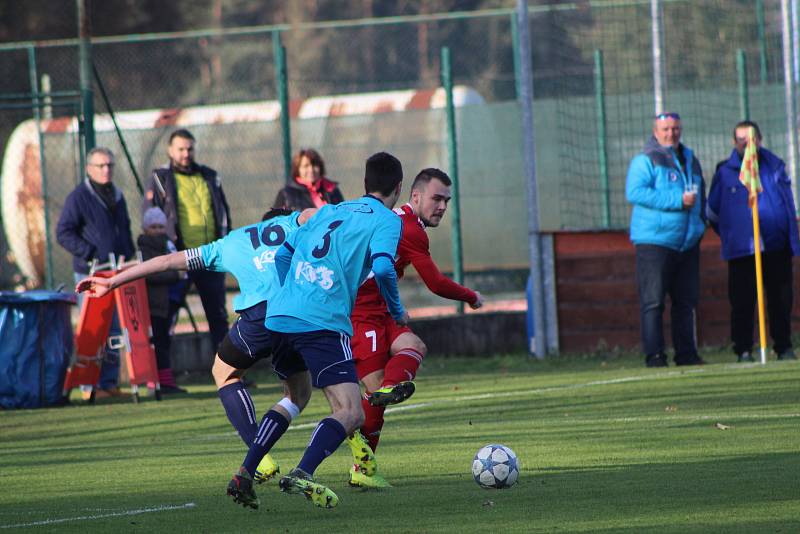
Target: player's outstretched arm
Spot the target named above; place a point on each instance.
(98, 286)
(415, 246)
(478, 301)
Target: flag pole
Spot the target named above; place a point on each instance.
(750, 177)
(759, 284)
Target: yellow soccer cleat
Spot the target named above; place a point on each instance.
(392, 394)
(360, 480)
(300, 482)
(267, 468)
(363, 456)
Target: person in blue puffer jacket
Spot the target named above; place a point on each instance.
(730, 215)
(665, 185)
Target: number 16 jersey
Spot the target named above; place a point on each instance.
(331, 255)
(248, 253)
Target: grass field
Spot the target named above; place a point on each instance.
(605, 446)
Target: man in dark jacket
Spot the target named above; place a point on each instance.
(191, 197)
(94, 224)
(731, 217)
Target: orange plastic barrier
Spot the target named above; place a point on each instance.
(92, 334)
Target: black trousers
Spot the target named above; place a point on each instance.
(162, 340)
(777, 273)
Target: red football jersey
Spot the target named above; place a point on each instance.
(414, 249)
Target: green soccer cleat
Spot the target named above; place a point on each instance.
(298, 481)
(266, 469)
(392, 394)
(363, 456)
(360, 480)
(241, 489)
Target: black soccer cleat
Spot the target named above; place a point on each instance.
(241, 489)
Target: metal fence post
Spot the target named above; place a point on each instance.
(85, 67)
(658, 62)
(281, 81)
(37, 117)
(452, 153)
(762, 41)
(602, 150)
(788, 87)
(744, 94)
(525, 99)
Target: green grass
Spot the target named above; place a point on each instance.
(605, 446)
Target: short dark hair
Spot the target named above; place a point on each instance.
(745, 124)
(382, 174)
(313, 156)
(426, 175)
(182, 133)
(275, 212)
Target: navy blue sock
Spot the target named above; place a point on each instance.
(326, 438)
(240, 410)
(272, 427)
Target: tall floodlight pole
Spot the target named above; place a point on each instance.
(658, 60)
(525, 98)
(788, 88)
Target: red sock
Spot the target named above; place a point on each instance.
(401, 367)
(373, 422)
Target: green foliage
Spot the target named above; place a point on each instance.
(604, 447)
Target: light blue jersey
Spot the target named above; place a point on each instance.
(325, 262)
(248, 253)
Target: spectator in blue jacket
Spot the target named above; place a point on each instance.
(665, 185)
(731, 217)
(93, 224)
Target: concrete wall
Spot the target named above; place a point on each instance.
(474, 334)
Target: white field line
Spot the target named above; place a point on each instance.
(186, 506)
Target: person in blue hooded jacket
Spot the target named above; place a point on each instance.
(730, 215)
(665, 185)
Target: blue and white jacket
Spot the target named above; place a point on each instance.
(655, 186)
(730, 215)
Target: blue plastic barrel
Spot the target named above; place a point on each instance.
(36, 344)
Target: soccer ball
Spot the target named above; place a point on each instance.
(495, 467)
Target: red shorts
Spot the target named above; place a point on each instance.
(373, 335)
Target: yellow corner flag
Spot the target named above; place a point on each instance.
(749, 176)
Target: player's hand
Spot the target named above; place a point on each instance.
(689, 198)
(94, 285)
(403, 321)
(478, 301)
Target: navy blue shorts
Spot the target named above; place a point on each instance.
(325, 353)
(248, 341)
(248, 333)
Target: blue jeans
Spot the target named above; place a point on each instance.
(109, 368)
(661, 271)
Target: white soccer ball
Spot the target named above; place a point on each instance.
(495, 467)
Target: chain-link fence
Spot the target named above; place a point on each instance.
(222, 86)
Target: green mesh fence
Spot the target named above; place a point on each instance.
(204, 71)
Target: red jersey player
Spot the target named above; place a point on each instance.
(387, 355)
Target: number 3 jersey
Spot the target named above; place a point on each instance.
(326, 261)
(248, 253)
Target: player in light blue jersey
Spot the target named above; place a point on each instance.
(248, 253)
(321, 267)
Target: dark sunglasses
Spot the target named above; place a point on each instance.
(662, 116)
